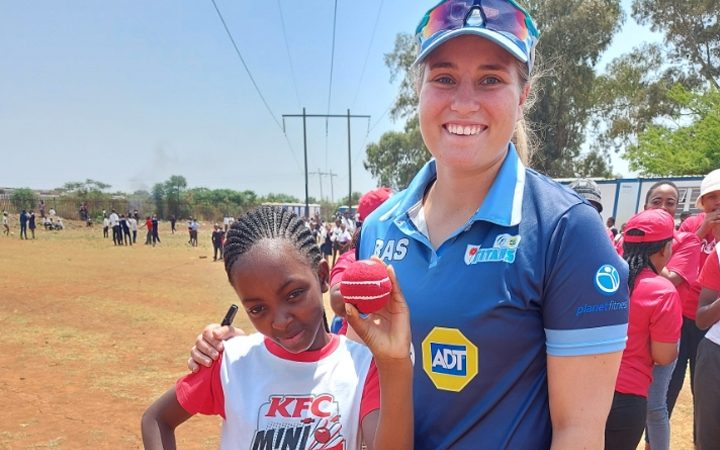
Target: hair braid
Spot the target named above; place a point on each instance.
(269, 222)
(638, 255)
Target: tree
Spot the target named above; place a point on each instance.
(87, 190)
(574, 34)
(691, 31)
(23, 198)
(158, 195)
(633, 98)
(355, 198)
(690, 149)
(397, 157)
(172, 189)
(279, 198)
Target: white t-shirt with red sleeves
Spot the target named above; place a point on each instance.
(271, 398)
(655, 315)
(710, 279)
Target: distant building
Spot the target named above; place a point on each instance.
(622, 198)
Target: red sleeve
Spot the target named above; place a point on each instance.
(685, 259)
(370, 400)
(341, 265)
(666, 319)
(201, 392)
(710, 275)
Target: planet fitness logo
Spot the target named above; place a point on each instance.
(607, 280)
(449, 359)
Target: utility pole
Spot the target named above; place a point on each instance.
(321, 174)
(304, 116)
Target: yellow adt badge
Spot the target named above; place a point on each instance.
(449, 359)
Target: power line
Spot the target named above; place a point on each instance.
(367, 55)
(252, 79)
(242, 60)
(287, 49)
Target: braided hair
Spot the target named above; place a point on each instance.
(637, 255)
(269, 222)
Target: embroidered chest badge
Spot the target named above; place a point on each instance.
(503, 250)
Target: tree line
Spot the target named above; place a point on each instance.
(172, 197)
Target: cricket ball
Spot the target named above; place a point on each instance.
(366, 285)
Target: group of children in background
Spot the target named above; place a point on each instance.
(674, 286)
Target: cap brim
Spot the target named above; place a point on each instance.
(498, 38)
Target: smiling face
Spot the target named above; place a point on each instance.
(471, 97)
(282, 294)
(664, 197)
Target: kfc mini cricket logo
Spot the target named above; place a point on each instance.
(449, 359)
(307, 422)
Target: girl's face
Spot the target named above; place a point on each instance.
(711, 201)
(470, 100)
(282, 294)
(663, 197)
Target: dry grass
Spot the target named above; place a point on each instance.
(93, 333)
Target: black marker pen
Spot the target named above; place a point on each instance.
(228, 320)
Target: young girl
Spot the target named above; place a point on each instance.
(293, 385)
(653, 328)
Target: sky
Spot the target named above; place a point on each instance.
(130, 92)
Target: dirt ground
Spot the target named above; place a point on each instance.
(93, 333)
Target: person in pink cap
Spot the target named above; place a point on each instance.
(653, 327)
(706, 226)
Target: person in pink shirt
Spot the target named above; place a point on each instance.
(653, 327)
(682, 269)
(706, 226)
(707, 368)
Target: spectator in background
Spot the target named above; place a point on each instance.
(589, 190)
(706, 226)
(133, 224)
(125, 227)
(653, 328)
(612, 231)
(194, 232)
(707, 370)
(173, 221)
(115, 225)
(6, 226)
(31, 223)
(106, 225)
(23, 224)
(41, 208)
(149, 226)
(217, 237)
(155, 231)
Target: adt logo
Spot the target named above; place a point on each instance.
(449, 359)
(607, 280)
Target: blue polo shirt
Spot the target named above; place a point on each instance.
(531, 274)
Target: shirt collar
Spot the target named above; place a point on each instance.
(502, 205)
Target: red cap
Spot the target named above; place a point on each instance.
(657, 225)
(371, 200)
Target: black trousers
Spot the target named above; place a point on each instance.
(707, 398)
(626, 422)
